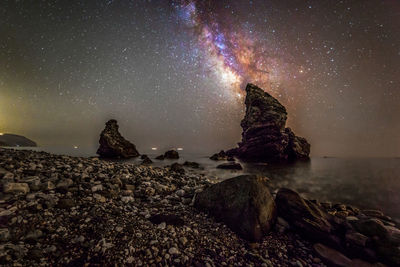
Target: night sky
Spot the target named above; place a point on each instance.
(173, 73)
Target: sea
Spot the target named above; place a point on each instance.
(366, 183)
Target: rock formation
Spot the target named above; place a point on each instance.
(264, 136)
(113, 145)
(170, 154)
(243, 203)
(13, 140)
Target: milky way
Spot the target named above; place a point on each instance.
(234, 53)
(173, 72)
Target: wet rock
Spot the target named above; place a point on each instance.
(113, 145)
(171, 154)
(304, 215)
(264, 137)
(219, 156)
(16, 188)
(356, 238)
(331, 256)
(230, 166)
(371, 228)
(176, 167)
(243, 203)
(161, 157)
(146, 160)
(191, 164)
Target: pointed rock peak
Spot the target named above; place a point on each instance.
(113, 145)
(264, 136)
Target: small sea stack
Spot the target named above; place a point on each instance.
(113, 145)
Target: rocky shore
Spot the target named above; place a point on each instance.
(61, 210)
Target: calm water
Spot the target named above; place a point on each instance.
(363, 182)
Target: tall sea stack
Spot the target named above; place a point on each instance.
(264, 136)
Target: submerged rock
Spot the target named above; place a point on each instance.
(170, 154)
(264, 136)
(230, 166)
(113, 145)
(243, 203)
(146, 160)
(219, 156)
(191, 164)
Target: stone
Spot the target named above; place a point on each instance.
(191, 164)
(356, 238)
(304, 215)
(219, 156)
(371, 228)
(264, 136)
(113, 145)
(331, 256)
(16, 188)
(176, 167)
(169, 219)
(243, 203)
(230, 166)
(66, 203)
(171, 154)
(146, 160)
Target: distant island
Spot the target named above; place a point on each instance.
(13, 140)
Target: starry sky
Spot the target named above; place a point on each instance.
(173, 73)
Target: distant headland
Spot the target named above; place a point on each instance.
(14, 140)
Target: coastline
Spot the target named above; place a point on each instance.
(74, 210)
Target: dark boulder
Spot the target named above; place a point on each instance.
(191, 164)
(113, 145)
(146, 160)
(219, 156)
(264, 136)
(171, 154)
(304, 215)
(230, 166)
(176, 167)
(243, 203)
(161, 157)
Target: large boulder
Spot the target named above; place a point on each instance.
(243, 203)
(113, 145)
(264, 136)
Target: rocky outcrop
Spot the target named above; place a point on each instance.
(243, 203)
(113, 145)
(264, 136)
(13, 140)
(345, 235)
